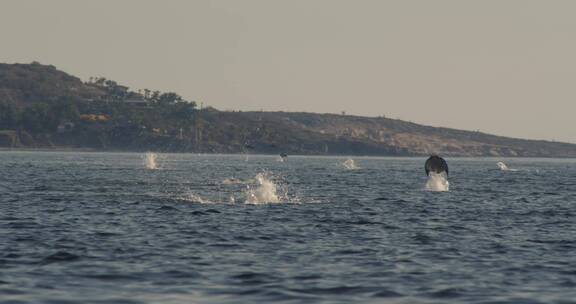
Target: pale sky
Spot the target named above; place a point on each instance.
(506, 67)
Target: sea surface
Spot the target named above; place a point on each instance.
(186, 228)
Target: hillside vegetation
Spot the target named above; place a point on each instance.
(42, 107)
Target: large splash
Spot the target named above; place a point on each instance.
(150, 161)
(350, 164)
(264, 188)
(265, 191)
(437, 182)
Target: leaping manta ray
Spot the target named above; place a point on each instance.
(436, 164)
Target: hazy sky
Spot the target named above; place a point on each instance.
(504, 67)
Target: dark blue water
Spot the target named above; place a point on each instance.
(100, 228)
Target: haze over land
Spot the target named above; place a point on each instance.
(42, 107)
(503, 67)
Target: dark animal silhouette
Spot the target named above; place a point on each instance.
(436, 164)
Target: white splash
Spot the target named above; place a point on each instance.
(195, 198)
(150, 161)
(350, 164)
(264, 192)
(437, 182)
(503, 167)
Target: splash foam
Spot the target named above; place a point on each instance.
(350, 164)
(264, 192)
(503, 167)
(150, 161)
(437, 182)
(195, 198)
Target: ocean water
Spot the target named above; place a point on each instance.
(110, 228)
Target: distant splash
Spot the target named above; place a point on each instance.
(150, 161)
(437, 182)
(502, 166)
(191, 197)
(350, 164)
(195, 198)
(264, 192)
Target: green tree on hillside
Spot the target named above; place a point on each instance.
(169, 98)
(9, 116)
(65, 110)
(37, 119)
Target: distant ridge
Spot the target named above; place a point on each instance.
(384, 136)
(42, 107)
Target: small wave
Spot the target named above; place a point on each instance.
(167, 208)
(60, 256)
(386, 293)
(190, 197)
(447, 293)
(198, 212)
(250, 278)
(337, 290)
(231, 181)
(437, 182)
(110, 276)
(236, 181)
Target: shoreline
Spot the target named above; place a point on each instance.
(91, 150)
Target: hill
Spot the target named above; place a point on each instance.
(41, 106)
(25, 84)
(312, 133)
